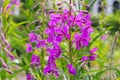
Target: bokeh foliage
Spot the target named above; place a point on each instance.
(17, 28)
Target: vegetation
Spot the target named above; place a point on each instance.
(58, 40)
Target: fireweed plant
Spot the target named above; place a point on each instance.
(4, 44)
(6, 10)
(66, 27)
(67, 36)
(61, 47)
(6, 7)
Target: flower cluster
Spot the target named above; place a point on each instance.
(92, 55)
(59, 28)
(51, 67)
(82, 38)
(35, 60)
(59, 25)
(34, 38)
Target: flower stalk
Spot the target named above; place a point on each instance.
(42, 36)
(70, 43)
(111, 57)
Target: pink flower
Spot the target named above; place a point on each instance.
(35, 60)
(93, 55)
(84, 58)
(29, 77)
(16, 2)
(33, 37)
(29, 47)
(7, 9)
(41, 44)
(93, 50)
(104, 37)
(51, 66)
(71, 69)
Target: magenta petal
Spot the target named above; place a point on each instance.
(35, 60)
(59, 38)
(32, 37)
(29, 47)
(84, 58)
(71, 69)
(29, 77)
(93, 50)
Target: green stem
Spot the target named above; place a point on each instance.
(111, 63)
(70, 48)
(70, 42)
(38, 70)
(42, 35)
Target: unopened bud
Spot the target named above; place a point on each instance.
(9, 71)
(9, 54)
(52, 11)
(3, 63)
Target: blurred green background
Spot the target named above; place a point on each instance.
(30, 14)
